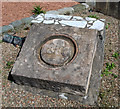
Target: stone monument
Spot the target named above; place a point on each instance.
(63, 54)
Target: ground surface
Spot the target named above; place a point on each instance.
(14, 95)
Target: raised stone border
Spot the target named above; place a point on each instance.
(67, 10)
(15, 24)
(75, 21)
(18, 23)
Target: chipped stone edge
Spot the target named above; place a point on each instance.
(89, 76)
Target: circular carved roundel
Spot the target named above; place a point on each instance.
(57, 50)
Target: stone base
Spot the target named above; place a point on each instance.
(76, 79)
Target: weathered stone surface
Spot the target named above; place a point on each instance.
(0, 30)
(66, 11)
(6, 28)
(26, 20)
(16, 24)
(73, 74)
(52, 12)
(76, 79)
(90, 22)
(57, 51)
(56, 22)
(40, 17)
(86, 5)
(94, 86)
(58, 17)
(90, 19)
(79, 8)
(77, 18)
(98, 25)
(79, 24)
(91, 3)
(48, 21)
(50, 16)
(36, 21)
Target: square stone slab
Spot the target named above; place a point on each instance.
(57, 58)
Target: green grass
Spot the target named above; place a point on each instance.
(93, 16)
(110, 66)
(107, 71)
(38, 10)
(107, 25)
(115, 55)
(1, 41)
(9, 64)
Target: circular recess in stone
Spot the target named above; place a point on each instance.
(57, 50)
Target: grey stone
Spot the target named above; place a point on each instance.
(6, 28)
(90, 22)
(77, 78)
(102, 20)
(7, 38)
(52, 12)
(66, 11)
(79, 8)
(79, 24)
(63, 96)
(0, 30)
(63, 17)
(59, 17)
(29, 66)
(93, 91)
(88, 25)
(90, 19)
(56, 22)
(39, 17)
(36, 21)
(77, 18)
(91, 3)
(86, 5)
(17, 23)
(98, 25)
(50, 16)
(26, 20)
(15, 40)
(48, 21)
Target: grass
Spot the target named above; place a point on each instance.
(38, 10)
(107, 25)
(107, 71)
(1, 41)
(93, 16)
(115, 55)
(9, 64)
